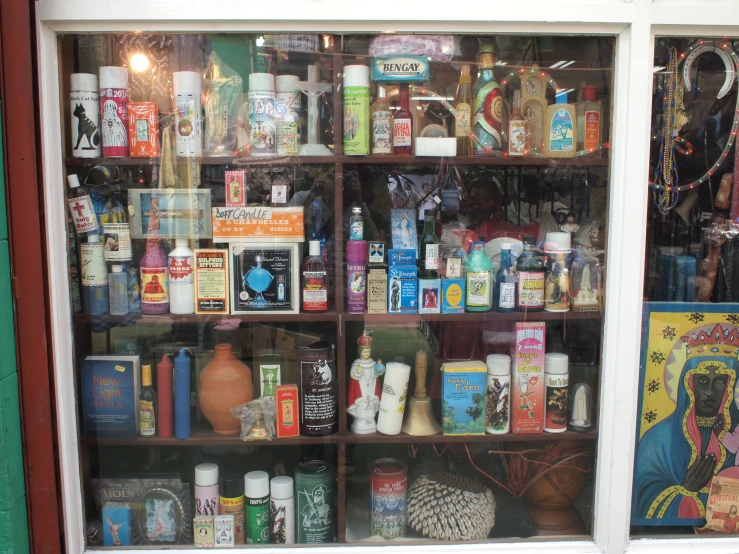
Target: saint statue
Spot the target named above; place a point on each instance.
(363, 400)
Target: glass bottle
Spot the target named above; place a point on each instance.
(356, 224)
(505, 282)
(403, 126)
(147, 404)
(80, 208)
(530, 269)
(589, 121)
(516, 128)
(479, 280)
(118, 291)
(489, 106)
(428, 264)
(154, 285)
(314, 277)
(94, 277)
(463, 106)
(381, 119)
(269, 369)
(316, 218)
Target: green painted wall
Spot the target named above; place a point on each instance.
(13, 522)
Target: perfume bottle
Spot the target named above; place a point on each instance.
(505, 282)
(463, 105)
(488, 100)
(382, 124)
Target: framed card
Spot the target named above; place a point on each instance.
(236, 189)
(403, 227)
(170, 213)
(376, 253)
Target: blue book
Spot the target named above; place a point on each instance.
(110, 392)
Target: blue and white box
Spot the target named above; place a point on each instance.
(402, 286)
(429, 296)
(116, 524)
(401, 256)
(452, 296)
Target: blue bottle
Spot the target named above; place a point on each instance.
(182, 396)
(504, 295)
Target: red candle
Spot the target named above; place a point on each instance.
(164, 397)
(388, 483)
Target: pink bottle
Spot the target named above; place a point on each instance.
(153, 268)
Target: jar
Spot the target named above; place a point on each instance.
(314, 487)
(317, 389)
(388, 486)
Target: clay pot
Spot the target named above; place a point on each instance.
(224, 384)
(556, 521)
(561, 486)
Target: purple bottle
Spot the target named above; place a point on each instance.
(154, 285)
(356, 276)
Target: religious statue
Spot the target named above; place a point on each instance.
(363, 401)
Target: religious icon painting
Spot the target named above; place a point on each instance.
(688, 429)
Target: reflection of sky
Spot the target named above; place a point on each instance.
(460, 415)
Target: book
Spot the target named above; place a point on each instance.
(110, 393)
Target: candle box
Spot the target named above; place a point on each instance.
(143, 129)
(223, 529)
(402, 284)
(452, 296)
(429, 296)
(463, 393)
(286, 404)
(527, 394)
(377, 290)
(401, 256)
(116, 524)
(202, 530)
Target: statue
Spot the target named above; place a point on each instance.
(363, 400)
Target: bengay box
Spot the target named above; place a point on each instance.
(527, 394)
(402, 289)
(464, 400)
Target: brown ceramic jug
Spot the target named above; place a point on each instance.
(224, 384)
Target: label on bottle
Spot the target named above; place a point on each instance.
(114, 108)
(516, 137)
(117, 242)
(356, 292)
(560, 132)
(94, 270)
(181, 270)
(432, 257)
(356, 230)
(507, 296)
(382, 132)
(85, 110)
(262, 123)
(356, 121)
(557, 288)
(498, 398)
(279, 195)
(464, 117)
(269, 377)
(289, 138)
(257, 520)
(592, 129)
(478, 288)
(188, 130)
(83, 214)
(147, 422)
(283, 520)
(319, 403)
(556, 402)
(402, 135)
(315, 291)
(234, 506)
(530, 289)
(154, 286)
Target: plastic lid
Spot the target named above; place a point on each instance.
(464, 77)
(206, 475)
(186, 81)
(112, 76)
(231, 488)
(93, 238)
(179, 243)
(84, 82)
(117, 268)
(477, 245)
(314, 248)
(556, 363)
(589, 93)
(560, 97)
(356, 210)
(356, 76)
(256, 484)
(73, 181)
(281, 488)
(262, 81)
(381, 92)
(286, 83)
(558, 241)
(498, 364)
(505, 246)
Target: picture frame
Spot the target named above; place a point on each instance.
(176, 214)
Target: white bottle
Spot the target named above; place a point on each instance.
(85, 109)
(282, 499)
(287, 105)
(181, 279)
(499, 394)
(118, 291)
(188, 132)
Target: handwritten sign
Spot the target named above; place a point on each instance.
(258, 222)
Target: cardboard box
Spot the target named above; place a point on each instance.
(286, 405)
(402, 285)
(377, 290)
(452, 296)
(464, 401)
(429, 296)
(401, 256)
(223, 529)
(527, 394)
(116, 524)
(203, 533)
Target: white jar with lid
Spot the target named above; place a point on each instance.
(557, 380)
(262, 135)
(282, 500)
(84, 100)
(498, 420)
(557, 285)
(206, 490)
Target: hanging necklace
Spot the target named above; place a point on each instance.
(665, 194)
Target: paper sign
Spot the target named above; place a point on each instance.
(258, 222)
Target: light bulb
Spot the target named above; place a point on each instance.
(139, 62)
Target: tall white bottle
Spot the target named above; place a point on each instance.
(181, 279)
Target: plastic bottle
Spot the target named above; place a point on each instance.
(186, 87)
(256, 502)
(356, 276)
(356, 110)
(114, 110)
(479, 286)
(589, 121)
(118, 291)
(84, 99)
(463, 105)
(560, 128)
(80, 208)
(181, 278)
(557, 378)
(262, 114)
(314, 280)
(382, 124)
(94, 277)
(165, 390)
(428, 262)
(154, 283)
(282, 501)
(557, 285)
(182, 396)
(499, 394)
(206, 490)
(288, 105)
(505, 282)
(356, 224)
(530, 273)
(403, 126)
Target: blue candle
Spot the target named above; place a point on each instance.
(182, 396)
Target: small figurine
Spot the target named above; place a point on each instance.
(364, 388)
(570, 226)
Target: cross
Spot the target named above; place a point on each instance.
(79, 208)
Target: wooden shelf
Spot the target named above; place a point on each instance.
(402, 438)
(378, 319)
(169, 319)
(210, 438)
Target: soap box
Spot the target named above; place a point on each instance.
(286, 404)
(452, 296)
(202, 530)
(401, 256)
(527, 402)
(223, 527)
(116, 524)
(377, 290)
(402, 290)
(464, 400)
(429, 294)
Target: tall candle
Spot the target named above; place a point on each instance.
(388, 485)
(165, 391)
(189, 133)
(114, 108)
(392, 403)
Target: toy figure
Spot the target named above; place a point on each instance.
(364, 388)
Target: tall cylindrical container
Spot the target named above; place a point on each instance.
(94, 277)
(314, 487)
(356, 110)
(288, 106)
(262, 114)
(189, 130)
(118, 291)
(498, 394)
(181, 278)
(154, 282)
(282, 508)
(114, 111)
(206, 490)
(557, 287)
(557, 379)
(165, 392)
(84, 99)
(182, 396)
(356, 276)
(388, 486)
(231, 501)
(318, 389)
(256, 502)
(392, 402)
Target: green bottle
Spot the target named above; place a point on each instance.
(428, 264)
(489, 113)
(479, 280)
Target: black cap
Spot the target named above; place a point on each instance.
(231, 488)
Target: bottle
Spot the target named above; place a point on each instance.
(499, 394)
(479, 280)
(84, 98)
(316, 218)
(557, 378)
(428, 264)
(147, 404)
(382, 124)
(118, 291)
(270, 370)
(489, 106)
(186, 88)
(256, 501)
(314, 280)
(231, 501)
(356, 110)
(589, 119)
(557, 284)
(206, 490)
(516, 128)
(154, 283)
(181, 278)
(356, 276)
(403, 126)
(165, 390)
(288, 100)
(116, 230)
(560, 129)
(182, 395)
(463, 106)
(114, 110)
(356, 224)
(282, 510)
(530, 271)
(505, 282)
(94, 277)
(80, 208)
(317, 389)
(262, 114)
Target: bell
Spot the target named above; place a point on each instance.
(259, 430)
(420, 420)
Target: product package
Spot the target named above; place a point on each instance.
(211, 281)
(143, 129)
(203, 533)
(265, 278)
(721, 510)
(257, 419)
(527, 401)
(429, 293)
(223, 528)
(377, 290)
(464, 398)
(401, 256)
(286, 408)
(452, 296)
(402, 289)
(116, 524)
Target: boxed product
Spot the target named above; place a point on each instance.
(223, 528)
(202, 531)
(401, 256)
(527, 402)
(116, 524)
(429, 291)
(402, 284)
(286, 406)
(377, 290)
(463, 393)
(452, 296)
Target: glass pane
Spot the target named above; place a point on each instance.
(336, 288)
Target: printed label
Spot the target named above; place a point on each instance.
(527, 401)
(187, 108)
(388, 508)
(289, 138)
(498, 400)
(147, 423)
(114, 108)
(315, 292)
(279, 195)
(94, 270)
(315, 517)
(211, 281)
(319, 401)
(262, 123)
(269, 376)
(257, 520)
(235, 189)
(560, 134)
(432, 257)
(557, 289)
(382, 132)
(83, 214)
(283, 521)
(85, 110)
(400, 68)
(117, 242)
(154, 285)
(454, 295)
(235, 506)
(181, 270)
(402, 132)
(517, 138)
(592, 129)
(530, 289)
(357, 288)
(356, 230)
(464, 117)
(356, 120)
(556, 402)
(507, 295)
(478, 288)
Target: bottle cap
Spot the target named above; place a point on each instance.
(117, 268)
(314, 248)
(73, 181)
(357, 210)
(262, 82)
(560, 97)
(231, 488)
(146, 375)
(84, 82)
(464, 77)
(356, 76)
(498, 364)
(281, 488)
(558, 242)
(287, 83)
(589, 93)
(206, 475)
(486, 48)
(556, 363)
(179, 243)
(517, 99)
(186, 81)
(93, 238)
(477, 245)
(112, 76)
(381, 91)
(256, 484)
(505, 246)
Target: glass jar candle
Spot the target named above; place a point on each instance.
(388, 486)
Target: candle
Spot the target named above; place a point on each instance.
(392, 403)
(388, 484)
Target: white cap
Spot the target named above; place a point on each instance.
(206, 475)
(356, 76)
(557, 242)
(256, 484)
(556, 363)
(261, 81)
(186, 82)
(73, 181)
(281, 488)
(286, 83)
(505, 246)
(117, 268)
(498, 364)
(314, 248)
(84, 82)
(93, 238)
(112, 76)
(181, 242)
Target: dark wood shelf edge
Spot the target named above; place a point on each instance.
(472, 316)
(377, 438)
(208, 318)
